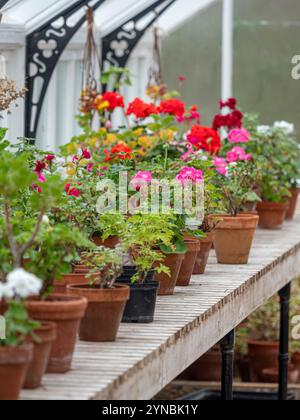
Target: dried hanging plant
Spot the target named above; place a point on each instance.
(8, 91)
(91, 62)
(156, 88)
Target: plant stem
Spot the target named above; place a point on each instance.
(9, 229)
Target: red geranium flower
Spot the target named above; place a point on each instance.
(205, 138)
(141, 109)
(49, 158)
(114, 99)
(229, 121)
(71, 191)
(39, 166)
(173, 107)
(120, 151)
(230, 103)
(86, 154)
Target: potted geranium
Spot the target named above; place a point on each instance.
(26, 198)
(16, 346)
(235, 231)
(274, 162)
(106, 299)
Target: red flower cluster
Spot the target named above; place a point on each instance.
(114, 99)
(173, 107)
(141, 109)
(230, 103)
(120, 151)
(229, 121)
(205, 138)
(71, 191)
(39, 166)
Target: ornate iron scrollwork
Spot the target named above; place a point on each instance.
(43, 49)
(119, 44)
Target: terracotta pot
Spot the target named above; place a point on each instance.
(293, 203)
(296, 363)
(271, 375)
(66, 312)
(203, 255)
(46, 334)
(234, 237)
(14, 362)
(243, 369)
(262, 355)
(111, 242)
(207, 368)
(168, 283)
(60, 286)
(188, 263)
(272, 215)
(104, 312)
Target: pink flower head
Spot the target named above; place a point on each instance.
(238, 154)
(221, 165)
(75, 158)
(90, 167)
(41, 177)
(86, 154)
(239, 135)
(189, 175)
(187, 155)
(49, 158)
(142, 177)
(182, 78)
(71, 191)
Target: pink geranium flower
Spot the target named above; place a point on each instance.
(221, 165)
(49, 158)
(142, 177)
(86, 154)
(238, 154)
(189, 175)
(41, 177)
(239, 135)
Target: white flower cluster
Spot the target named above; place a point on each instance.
(264, 129)
(20, 284)
(285, 126)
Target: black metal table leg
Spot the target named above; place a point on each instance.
(227, 349)
(285, 295)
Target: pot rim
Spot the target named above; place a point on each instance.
(263, 343)
(120, 292)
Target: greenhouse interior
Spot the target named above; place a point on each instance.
(149, 217)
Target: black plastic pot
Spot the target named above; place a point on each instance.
(129, 272)
(141, 305)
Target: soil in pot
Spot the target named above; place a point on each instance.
(207, 368)
(234, 237)
(66, 312)
(14, 362)
(293, 203)
(46, 335)
(104, 311)
(111, 242)
(203, 254)
(142, 302)
(188, 263)
(262, 355)
(271, 375)
(60, 286)
(168, 283)
(296, 363)
(272, 215)
(130, 271)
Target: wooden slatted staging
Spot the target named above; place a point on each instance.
(145, 358)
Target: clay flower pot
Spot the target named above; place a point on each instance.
(188, 263)
(272, 215)
(60, 286)
(292, 204)
(262, 355)
(111, 242)
(296, 363)
(46, 335)
(234, 237)
(207, 368)
(66, 312)
(271, 375)
(203, 255)
(14, 362)
(168, 283)
(104, 311)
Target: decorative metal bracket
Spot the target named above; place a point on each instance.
(119, 44)
(44, 47)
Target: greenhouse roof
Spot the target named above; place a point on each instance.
(33, 13)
